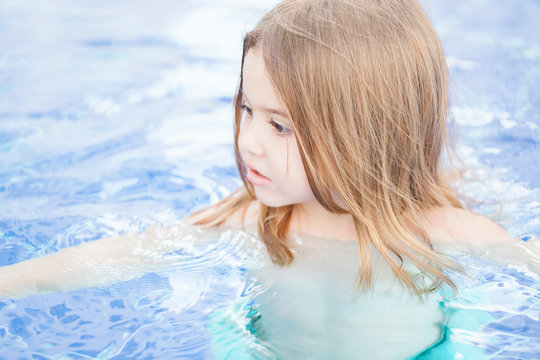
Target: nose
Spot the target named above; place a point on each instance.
(250, 138)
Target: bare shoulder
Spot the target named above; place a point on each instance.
(244, 217)
(447, 225)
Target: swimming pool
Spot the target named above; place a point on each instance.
(113, 118)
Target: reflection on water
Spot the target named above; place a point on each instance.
(115, 116)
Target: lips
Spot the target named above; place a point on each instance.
(255, 177)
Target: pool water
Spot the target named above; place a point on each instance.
(115, 116)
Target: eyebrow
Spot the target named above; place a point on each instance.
(269, 110)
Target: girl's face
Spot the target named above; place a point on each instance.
(267, 142)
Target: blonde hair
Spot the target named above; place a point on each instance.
(365, 85)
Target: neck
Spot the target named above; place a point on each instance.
(312, 219)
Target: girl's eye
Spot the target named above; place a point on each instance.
(280, 129)
(246, 109)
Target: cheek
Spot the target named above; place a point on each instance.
(302, 179)
(296, 166)
(243, 137)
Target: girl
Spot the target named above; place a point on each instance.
(340, 125)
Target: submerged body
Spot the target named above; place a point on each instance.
(313, 309)
(327, 319)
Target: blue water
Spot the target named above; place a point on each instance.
(114, 116)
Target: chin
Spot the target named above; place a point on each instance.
(278, 200)
(272, 200)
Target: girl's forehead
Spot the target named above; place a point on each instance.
(254, 68)
(257, 87)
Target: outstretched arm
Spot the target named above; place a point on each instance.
(94, 263)
(68, 268)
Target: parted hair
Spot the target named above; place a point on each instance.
(365, 86)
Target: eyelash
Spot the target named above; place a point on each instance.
(279, 129)
(246, 109)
